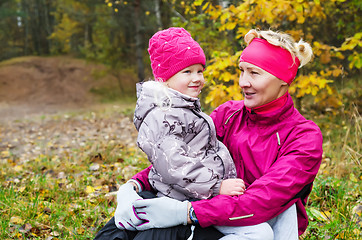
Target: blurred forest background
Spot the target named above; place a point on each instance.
(114, 34)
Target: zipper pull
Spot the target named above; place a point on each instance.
(278, 138)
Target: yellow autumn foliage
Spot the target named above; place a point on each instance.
(64, 31)
(222, 73)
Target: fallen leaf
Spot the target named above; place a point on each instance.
(80, 231)
(357, 215)
(94, 167)
(320, 215)
(5, 154)
(22, 188)
(16, 220)
(89, 189)
(18, 168)
(47, 210)
(97, 158)
(25, 228)
(61, 175)
(55, 234)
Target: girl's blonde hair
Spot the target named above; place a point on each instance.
(302, 50)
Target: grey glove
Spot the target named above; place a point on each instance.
(125, 216)
(160, 212)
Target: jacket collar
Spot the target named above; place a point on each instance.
(272, 117)
(181, 100)
(151, 95)
(271, 106)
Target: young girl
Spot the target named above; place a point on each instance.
(178, 138)
(188, 162)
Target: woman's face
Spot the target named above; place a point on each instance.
(188, 81)
(259, 87)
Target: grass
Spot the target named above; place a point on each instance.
(64, 196)
(330, 209)
(72, 205)
(67, 196)
(335, 204)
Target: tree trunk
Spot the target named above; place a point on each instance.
(32, 10)
(47, 22)
(37, 20)
(25, 23)
(158, 14)
(90, 20)
(138, 38)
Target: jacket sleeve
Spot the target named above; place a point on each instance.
(142, 179)
(173, 159)
(280, 187)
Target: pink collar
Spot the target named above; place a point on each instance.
(271, 106)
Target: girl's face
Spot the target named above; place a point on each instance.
(259, 87)
(188, 81)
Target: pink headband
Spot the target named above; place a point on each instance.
(273, 59)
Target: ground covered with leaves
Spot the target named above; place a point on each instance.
(59, 172)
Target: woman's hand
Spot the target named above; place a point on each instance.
(125, 216)
(161, 212)
(232, 186)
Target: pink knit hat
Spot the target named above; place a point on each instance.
(172, 50)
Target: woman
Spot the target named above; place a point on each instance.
(277, 152)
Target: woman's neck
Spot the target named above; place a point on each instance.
(271, 106)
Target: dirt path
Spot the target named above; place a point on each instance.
(59, 134)
(46, 109)
(48, 85)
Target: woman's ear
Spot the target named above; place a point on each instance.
(283, 83)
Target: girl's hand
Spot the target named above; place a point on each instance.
(232, 187)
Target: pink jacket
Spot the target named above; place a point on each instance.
(277, 154)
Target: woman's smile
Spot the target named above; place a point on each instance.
(249, 95)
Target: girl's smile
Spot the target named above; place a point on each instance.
(188, 81)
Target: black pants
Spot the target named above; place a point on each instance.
(181, 232)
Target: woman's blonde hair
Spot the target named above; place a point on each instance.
(302, 50)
